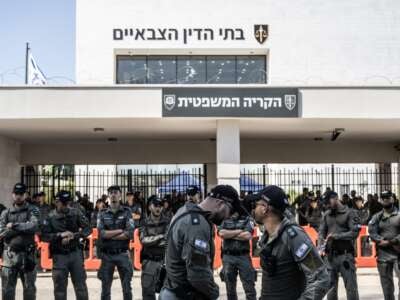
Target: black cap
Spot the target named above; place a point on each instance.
(19, 188)
(275, 197)
(331, 195)
(114, 188)
(386, 194)
(192, 190)
(41, 194)
(129, 193)
(154, 200)
(226, 193)
(64, 196)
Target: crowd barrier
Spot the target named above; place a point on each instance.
(92, 262)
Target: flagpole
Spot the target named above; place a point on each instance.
(26, 62)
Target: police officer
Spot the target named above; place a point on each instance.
(17, 231)
(384, 230)
(339, 228)
(115, 226)
(301, 202)
(190, 246)
(291, 265)
(236, 233)
(193, 194)
(132, 202)
(63, 229)
(152, 237)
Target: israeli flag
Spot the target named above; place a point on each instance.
(35, 75)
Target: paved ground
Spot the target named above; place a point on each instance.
(368, 280)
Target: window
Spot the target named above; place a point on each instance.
(216, 69)
(250, 69)
(132, 70)
(161, 69)
(221, 69)
(191, 69)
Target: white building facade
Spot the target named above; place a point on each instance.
(216, 83)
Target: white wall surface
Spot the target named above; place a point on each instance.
(9, 168)
(187, 152)
(310, 41)
(146, 102)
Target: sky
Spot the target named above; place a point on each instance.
(49, 27)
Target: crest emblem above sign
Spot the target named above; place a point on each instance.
(261, 33)
(290, 101)
(169, 102)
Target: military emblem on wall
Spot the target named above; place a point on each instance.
(169, 102)
(261, 33)
(290, 101)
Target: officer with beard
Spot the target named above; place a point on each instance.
(193, 194)
(190, 246)
(63, 229)
(292, 268)
(339, 228)
(153, 239)
(384, 230)
(17, 232)
(115, 226)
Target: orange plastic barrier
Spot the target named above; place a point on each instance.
(365, 261)
(93, 263)
(137, 248)
(256, 237)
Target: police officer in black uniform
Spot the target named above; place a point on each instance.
(292, 267)
(190, 246)
(193, 194)
(17, 233)
(115, 226)
(236, 233)
(384, 230)
(153, 238)
(338, 231)
(64, 229)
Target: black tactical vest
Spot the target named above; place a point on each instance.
(152, 229)
(21, 241)
(61, 222)
(280, 270)
(115, 221)
(235, 247)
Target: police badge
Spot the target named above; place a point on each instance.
(261, 33)
(169, 102)
(290, 101)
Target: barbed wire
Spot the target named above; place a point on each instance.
(60, 79)
(4, 76)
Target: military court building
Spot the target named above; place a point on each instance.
(216, 83)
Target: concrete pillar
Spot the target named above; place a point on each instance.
(9, 168)
(384, 177)
(211, 176)
(228, 153)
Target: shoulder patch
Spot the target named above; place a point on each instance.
(195, 219)
(291, 232)
(200, 244)
(302, 250)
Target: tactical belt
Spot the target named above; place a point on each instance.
(26, 249)
(341, 252)
(235, 253)
(114, 251)
(152, 257)
(64, 251)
